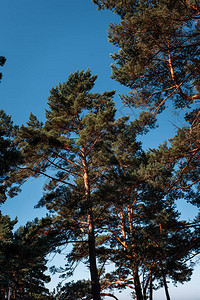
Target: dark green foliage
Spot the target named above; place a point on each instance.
(6, 238)
(75, 290)
(9, 155)
(2, 62)
(181, 158)
(76, 119)
(23, 259)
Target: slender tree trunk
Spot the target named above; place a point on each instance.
(91, 236)
(165, 282)
(92, 257)
(166, 288)
(145, 289)
(138, 289)
(144, 295)
(9, 293)
(31, 281)
(151, 287)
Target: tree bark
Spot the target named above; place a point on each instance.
(144, 295)
(138, 289)
(92, 258)
(91, 237)
(151, 287)
(145, 288)
(165, 282)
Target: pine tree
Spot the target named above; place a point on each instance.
(30, 248)
(143, 231)
(159, 61)
(159, 51)
(23, 259)
(142, 235)
(128, 210)
(70, 148)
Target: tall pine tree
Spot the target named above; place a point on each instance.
(158, 60)
(70, 147)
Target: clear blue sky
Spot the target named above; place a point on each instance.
(43, 42)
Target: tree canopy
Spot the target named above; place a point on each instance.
(71, 147)
(159, 51)
(107, 197)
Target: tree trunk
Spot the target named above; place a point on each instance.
(31, 281)
(91, 237)
(151, 287)
(9, 293)
(165, 282)
(138, 289)
(145, 289)
(144, 295)
(92, 258)
(166, 288)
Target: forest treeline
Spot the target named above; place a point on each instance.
(111, 200)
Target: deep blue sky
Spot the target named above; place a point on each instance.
(43, 42)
